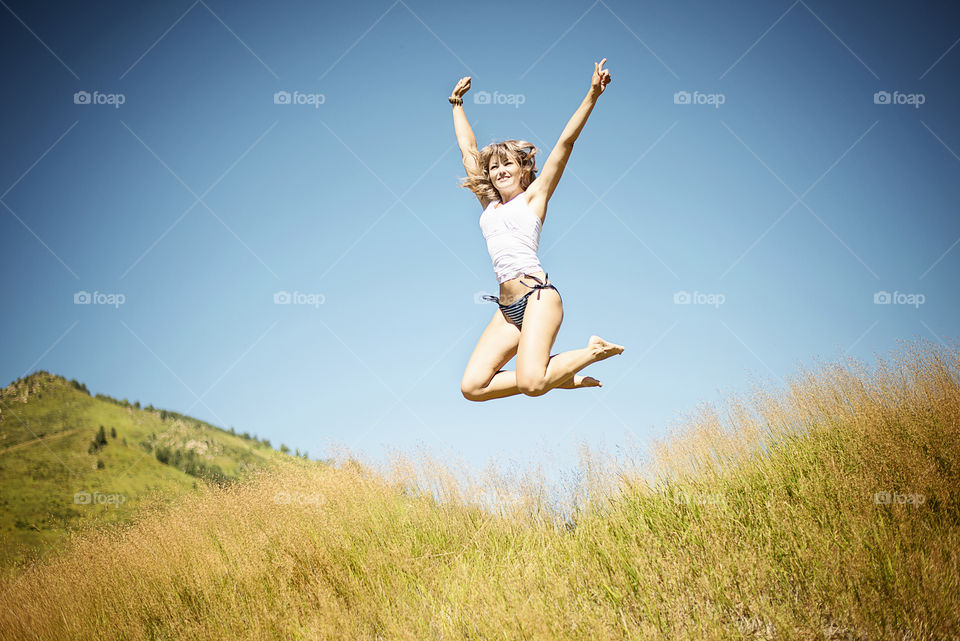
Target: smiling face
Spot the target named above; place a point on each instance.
(505, 175)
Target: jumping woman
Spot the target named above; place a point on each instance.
(514, 199)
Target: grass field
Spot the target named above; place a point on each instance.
(826, 510)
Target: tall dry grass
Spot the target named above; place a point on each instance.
(758, 519)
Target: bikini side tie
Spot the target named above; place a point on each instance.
(541, 284)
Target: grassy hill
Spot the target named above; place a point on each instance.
(828, 510)
(56, 474)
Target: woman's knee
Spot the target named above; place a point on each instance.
(471, 391)
(531, 385)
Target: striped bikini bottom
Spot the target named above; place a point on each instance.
(514, 311)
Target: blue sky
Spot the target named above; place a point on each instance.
(782, 198)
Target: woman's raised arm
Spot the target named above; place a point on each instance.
(549, 177)
(465, 137)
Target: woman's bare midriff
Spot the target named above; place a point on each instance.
(513, 290)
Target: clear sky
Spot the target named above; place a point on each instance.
(784, 196)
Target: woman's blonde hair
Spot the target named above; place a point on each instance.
(520, 151)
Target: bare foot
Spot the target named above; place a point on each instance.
(604, 349)
(580, 381)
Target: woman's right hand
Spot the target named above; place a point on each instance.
(463, 86)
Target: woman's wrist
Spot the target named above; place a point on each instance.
(455, 100)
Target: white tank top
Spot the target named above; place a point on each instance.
(512, 232)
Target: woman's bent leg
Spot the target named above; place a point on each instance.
(504, 384)
(537, 371)
(496, 347)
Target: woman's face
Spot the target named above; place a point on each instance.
(504, 174)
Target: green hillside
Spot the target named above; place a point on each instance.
(68, 459)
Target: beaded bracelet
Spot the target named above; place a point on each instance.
(455, 101)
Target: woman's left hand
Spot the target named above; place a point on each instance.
(601, 77)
